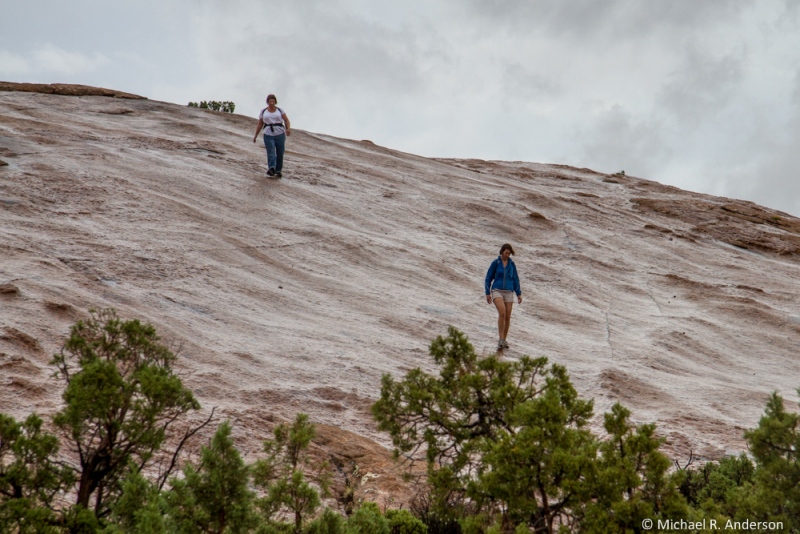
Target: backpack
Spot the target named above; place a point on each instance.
(272, 124)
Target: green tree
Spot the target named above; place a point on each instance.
(536, 471)
(367, 519)
(140, 508)
(122, 400)
(775, 445)
(403, 522)
(717, 486)
(508, 447)
(630, 480)
(504, 440)
(329, 522)
(281, 474)
(214, 497)
(30, 477)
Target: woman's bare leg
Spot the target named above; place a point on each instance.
(507, 319)
(502, 328)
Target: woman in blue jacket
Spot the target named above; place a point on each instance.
(502, 282)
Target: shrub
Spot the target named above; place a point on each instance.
(367, 519)
(281, 474)
(402, 522)
(213, 105)
(328, 523)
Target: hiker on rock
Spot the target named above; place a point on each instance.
(275, 124)
(502, 281)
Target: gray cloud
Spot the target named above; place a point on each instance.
(524, 83)
(588, 19)
(616, 140)
(702, 86)
(774, 177)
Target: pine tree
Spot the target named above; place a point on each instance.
(629, 481)
(140, 508)
(775, 445)
(30, 476)
(214, 496)
(122, 399)
(281, 474)
(505, 441)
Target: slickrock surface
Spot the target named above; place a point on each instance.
(64, 89)
(298, 294)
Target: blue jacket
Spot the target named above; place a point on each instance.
(499, 277)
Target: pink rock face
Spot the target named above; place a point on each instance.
(64, 89)
(297, 294)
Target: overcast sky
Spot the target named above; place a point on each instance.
(700, 94)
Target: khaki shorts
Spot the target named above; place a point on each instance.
(507, 296)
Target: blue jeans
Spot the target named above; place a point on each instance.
(275, 145)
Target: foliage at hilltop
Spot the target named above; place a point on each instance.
(226, 107)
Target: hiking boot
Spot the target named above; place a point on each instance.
(500, 345)
(271, 172)
(504, 343)
(278, 174)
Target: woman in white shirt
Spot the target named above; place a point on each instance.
(276, 127)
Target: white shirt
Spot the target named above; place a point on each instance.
(275, 118)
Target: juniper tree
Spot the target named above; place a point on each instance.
(629, 480)
(30, 476)
(213, 497)
(281, 474)
(139, 509)
(506, 439)
(775, 445)
(716, 486)
(508, 443)
(122, 401)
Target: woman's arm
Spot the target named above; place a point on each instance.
(489, 277)
(260, 126)
(287, 123)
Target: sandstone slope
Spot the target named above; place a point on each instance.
(298, 294)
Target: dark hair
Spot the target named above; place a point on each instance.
(506, 247)
(273, 97)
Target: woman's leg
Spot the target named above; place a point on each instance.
(507, 315)
(269, 144)
(502, 328)
(280, 147)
